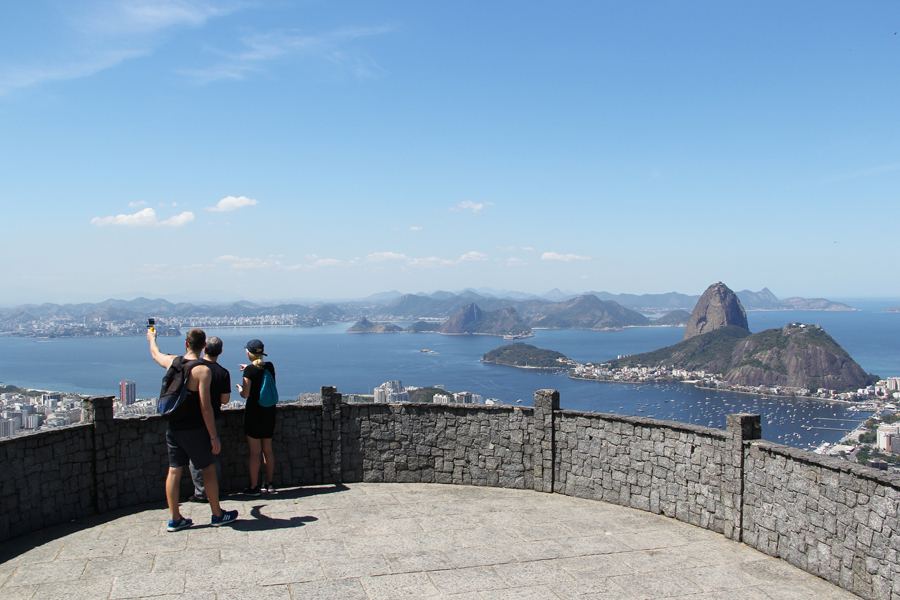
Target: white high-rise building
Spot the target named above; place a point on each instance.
(391, 392)
(888, 438)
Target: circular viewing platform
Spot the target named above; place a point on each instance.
(380, 541)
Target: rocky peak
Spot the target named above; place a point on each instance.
(718, 307)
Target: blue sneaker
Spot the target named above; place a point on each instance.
(178, 525)
(228, 516)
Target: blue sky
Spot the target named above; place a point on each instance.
(357, 147)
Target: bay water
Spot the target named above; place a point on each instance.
(307, 359)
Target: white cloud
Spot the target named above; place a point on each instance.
(328, 262)
(259, 49)
(386, 256)
(274, 262)
(473, 257)
(178, 220)
(151, 16)
(230, 203)
(137, 204)
(473, 207)
(431, 261)
(416, 228)
(557, 257)
(243, 263)
(143, 218)
(19, 76)
(105, 34)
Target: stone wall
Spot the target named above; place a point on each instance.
(434, 443)
(832, 518)
(46, 478)
(666, 468)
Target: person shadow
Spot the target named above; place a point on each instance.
(259, 521)
(262, 522)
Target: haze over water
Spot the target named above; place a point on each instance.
(307, 359)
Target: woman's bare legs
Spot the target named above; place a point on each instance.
(268, 459)
(254, 460)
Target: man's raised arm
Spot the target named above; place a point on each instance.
(163, 360)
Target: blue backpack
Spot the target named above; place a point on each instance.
(268, 392)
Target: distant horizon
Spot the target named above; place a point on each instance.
(887, 300)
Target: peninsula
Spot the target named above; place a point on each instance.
(718, 343)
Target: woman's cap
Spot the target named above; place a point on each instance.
(256, 347)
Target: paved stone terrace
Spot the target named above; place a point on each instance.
(381, 541)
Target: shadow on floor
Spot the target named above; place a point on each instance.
(261, 522)
(292, 493)
(13, 547)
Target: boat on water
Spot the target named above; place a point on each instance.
(517, 336)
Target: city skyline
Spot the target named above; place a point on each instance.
(242, 151)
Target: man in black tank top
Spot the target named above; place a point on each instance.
(220, 394)
(191, 434)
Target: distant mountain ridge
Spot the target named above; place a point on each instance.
(586, 312)
(471, 319)
(673, 318)
(395, 306)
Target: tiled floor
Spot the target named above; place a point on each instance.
(381, 541)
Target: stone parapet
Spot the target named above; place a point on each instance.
(832, 518)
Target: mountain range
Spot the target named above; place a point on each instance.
(555, 309)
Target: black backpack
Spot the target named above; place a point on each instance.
(174, 386)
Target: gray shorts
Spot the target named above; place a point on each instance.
(189, 445)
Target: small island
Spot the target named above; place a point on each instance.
(364, 325)
(526, 356)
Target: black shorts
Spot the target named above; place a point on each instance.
(259, 421)
(189, 445)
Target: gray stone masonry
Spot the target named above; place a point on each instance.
(46, 478)
(832, 518)
(739, 428)
(546, 403)
(668, 468)
(436, 443)
(331, 435)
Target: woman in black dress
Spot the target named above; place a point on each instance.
(259, 421)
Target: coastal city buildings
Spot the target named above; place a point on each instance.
(24, 411)
(390, 392)
(888, 438)
(460, 398)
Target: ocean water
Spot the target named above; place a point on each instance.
(307, 359)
